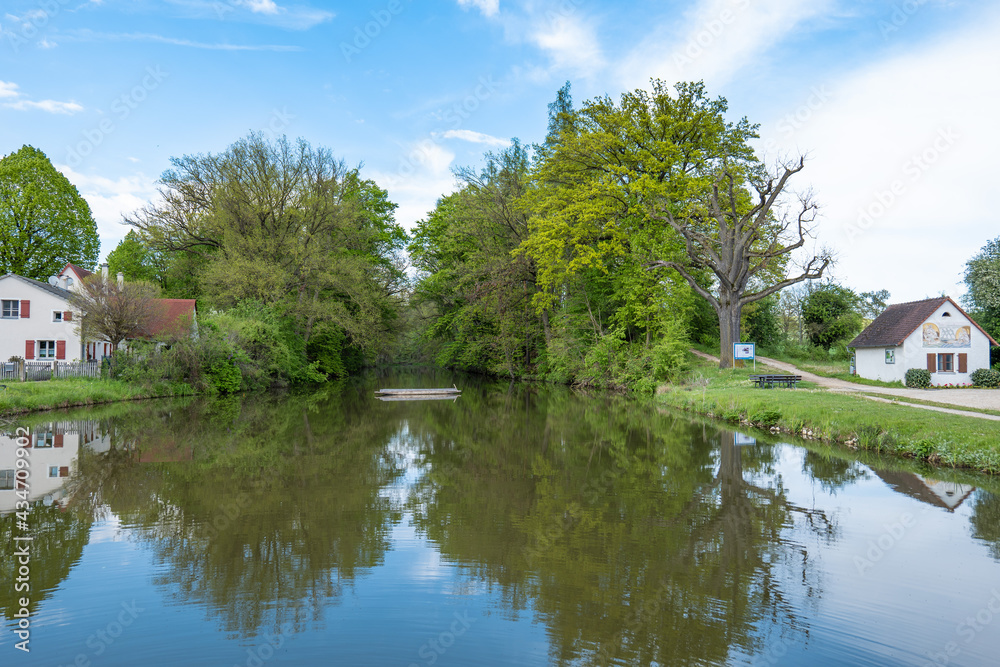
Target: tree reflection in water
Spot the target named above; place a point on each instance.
(634, 536)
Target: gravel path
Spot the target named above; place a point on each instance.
(983, 399)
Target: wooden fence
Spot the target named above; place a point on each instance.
(31, 371)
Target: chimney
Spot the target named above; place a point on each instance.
(63, 283)
(104, 270)
(121, 278)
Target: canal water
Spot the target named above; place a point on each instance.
(516, 525)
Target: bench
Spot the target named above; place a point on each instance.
(771, 381)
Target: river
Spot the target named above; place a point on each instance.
(516, 525)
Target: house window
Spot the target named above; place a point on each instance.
(890, 355)
(44, 440)
(57, 316)
(46, 349)
(6, 480)
(53, 471)
(11, 308)
(946, 363)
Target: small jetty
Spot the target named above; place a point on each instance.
(418, 394)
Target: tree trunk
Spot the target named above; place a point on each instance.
(729, 311)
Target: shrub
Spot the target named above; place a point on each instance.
(986, 377)
(918, 378)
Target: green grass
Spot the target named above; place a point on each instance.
(21, 397)
(854, 421)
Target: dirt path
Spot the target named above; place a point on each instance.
(983, 399)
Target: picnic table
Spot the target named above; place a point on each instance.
(771, 381)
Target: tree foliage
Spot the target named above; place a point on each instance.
(830, 315)
(286, 225)
(44, 222)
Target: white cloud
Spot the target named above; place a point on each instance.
(570, 43)
(258, 6)
(8, 89)
(51, 106)
(487, 7)
(11, 91)
(88, 35)
(46, 44)
(903, 162)
(109, 200)
(423, 174)
(475, 137)
(717, 39)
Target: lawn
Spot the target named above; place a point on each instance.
(854, 421)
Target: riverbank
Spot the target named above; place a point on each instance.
(849, 419)
(24, 397)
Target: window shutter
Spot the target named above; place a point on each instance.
(59, 440)
(963, 362)
(932, 362)
(29, 349)
(64, 471)
(25, 308)
(60, 349)
(67, 316)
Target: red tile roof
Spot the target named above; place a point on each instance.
(172, 318)
(899, 320)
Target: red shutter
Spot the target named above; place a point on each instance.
(963, 362)
(68, 316)
(64, 471)
(25, 309)
(60, 349)
(932, 362)
(29, 349)
(59, 440)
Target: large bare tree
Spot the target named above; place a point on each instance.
(111, 310)
(746, 239)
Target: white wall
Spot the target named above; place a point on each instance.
(39, 324)
(871, 364)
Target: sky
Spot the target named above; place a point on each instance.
(892, 103)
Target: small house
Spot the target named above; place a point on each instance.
(934, 334)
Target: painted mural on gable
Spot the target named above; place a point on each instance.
(947, 335)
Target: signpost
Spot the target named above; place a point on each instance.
(745, 351)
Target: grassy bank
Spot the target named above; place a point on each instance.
(853, 421)
(22, 397)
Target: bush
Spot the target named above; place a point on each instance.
(918, 378)
(986, 377)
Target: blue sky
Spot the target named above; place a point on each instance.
(892, 102)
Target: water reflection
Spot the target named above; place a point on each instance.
(632, 536)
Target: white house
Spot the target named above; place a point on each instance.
(934, 334)
(36, 321)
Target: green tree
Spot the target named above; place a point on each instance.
(136, 260)
(44, 222)
(830, 315)
(480, 291)
(285, 225)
